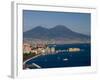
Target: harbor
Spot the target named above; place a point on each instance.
(60, 56)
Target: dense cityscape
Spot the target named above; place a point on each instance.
(43, 49)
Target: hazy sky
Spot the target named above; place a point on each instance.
(78, 22)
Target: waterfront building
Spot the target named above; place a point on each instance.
(73, 49)
(34, 51)
(26, 48)
(52, 50)
(47, 50)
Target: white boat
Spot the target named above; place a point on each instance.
(65, 59)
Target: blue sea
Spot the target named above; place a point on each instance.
(65, 59)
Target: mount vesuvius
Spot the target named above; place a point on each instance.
(59, 32)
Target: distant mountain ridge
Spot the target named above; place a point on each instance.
(58, 32)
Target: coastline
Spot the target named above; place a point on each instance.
(77, 59)
(31, 58)
(24, 63)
